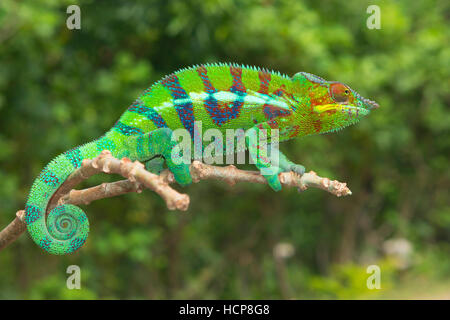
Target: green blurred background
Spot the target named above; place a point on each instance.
(60, 88)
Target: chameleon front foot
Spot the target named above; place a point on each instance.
(155, 165)
(297, 168)
(270, 162)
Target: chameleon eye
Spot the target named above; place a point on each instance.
(339, 92)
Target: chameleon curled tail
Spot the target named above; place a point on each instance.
(66, 227)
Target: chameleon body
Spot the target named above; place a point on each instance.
(222, 96)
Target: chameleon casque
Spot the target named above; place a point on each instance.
(223, 96)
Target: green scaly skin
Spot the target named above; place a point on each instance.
(221, 96)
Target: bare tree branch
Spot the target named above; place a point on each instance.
(138, 178)
(13, 230)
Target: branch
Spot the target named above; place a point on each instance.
(137, 178)
(13, 230)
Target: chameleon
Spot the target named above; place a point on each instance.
(221, 95)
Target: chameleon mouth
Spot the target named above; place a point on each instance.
(370, 104)
(350, 110)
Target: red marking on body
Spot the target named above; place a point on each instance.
(317, 125)
(282, 91)
(273, 124)
(279, 92)
(271, 112)
(236, 74)
(264, 80)
(314, 98)
(317, 101)
(203, 73)
(294, 131)
(224, 106)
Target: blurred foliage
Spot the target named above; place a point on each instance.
(60, 88)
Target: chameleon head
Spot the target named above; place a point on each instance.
(332, 105)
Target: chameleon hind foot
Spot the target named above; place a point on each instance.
(155, 165)
(159, 142)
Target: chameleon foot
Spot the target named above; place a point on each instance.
(297, 168)
(155, 165)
